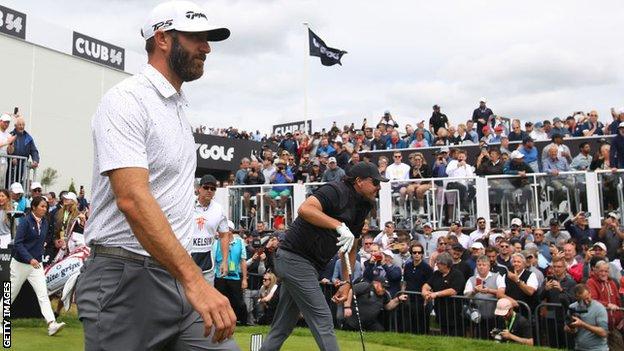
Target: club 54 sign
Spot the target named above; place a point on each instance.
(98, 51)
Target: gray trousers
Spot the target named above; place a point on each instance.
(128, 305)
(300, 291)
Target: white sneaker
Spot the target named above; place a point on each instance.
(55, 327)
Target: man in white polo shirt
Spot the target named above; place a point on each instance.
(140, 289)
(210, 223)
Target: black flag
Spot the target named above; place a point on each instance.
(329, 56)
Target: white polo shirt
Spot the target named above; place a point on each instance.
(208, 222)
(140, 122)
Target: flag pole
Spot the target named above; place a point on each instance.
(305, 77)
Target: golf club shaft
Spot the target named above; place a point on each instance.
(355, 303)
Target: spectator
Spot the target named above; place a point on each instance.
(6, 139)
(553, 165)
(593, 126)
(288, 144)
(480, 233)
(492, 254)
(456, 230)
(516, 134)
(372, 298)
(517, 166)
(598, 252)
(538, 133)
(529, 151)
(24, 146)
(398, 171)
(611, 234)
(579, 229)
(505, 252)
(489, 162)
(591, 328)
(342, 156)
(487, 136)
(20, 201)
(384, 268)
(279, 195)
(325, 148)
(243, 169)
(268, 169)
(386, 237)
(355, 159)
(395, 142)
(459, 264)
(517, 327)
(419, 170)
(485, 285)
(365, 251)
(574, 263)
(562, 149)
(605, 291)
(617, 150)
(558, 128)
(333, 172)
(268, 299)
(498, 134)
(481, 116)
(521, 283)
(83, 204)
(416, 273)
(438, 120)
(582, 161)
(558, 288)
(388, 121)
(419, 140)
(27, 257)
(426, 239)
(234, 281)
(543, 248)
(474, 136)
(378, 142)
(5, 208)
(460, 168)
(443, 284)
(573, 129)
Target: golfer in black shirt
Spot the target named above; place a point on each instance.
(326, 223)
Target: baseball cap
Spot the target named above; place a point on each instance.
(457, 223)
(436, 106)
(457, 247)
(183, 16)
(499, 128)
(445, 149)
(621, 125)
(485, 129)
(516, 221)
(70, 196)
(554, 221)
(539, 124)
(208, 179)
(482, 99)
(382, 280)
(35, 185)
(366, 170)
(428, 224)
(600, 245)
(388, 252)
(5, 117)
(477, 245)
(502, 307)
(516, 154)
(231, 225)
(332, 159)
(16, 188)
(556, 119)
(613, 215)
(526, 139)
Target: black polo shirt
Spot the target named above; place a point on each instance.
(339, 200)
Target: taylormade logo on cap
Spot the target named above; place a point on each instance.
(184, 16)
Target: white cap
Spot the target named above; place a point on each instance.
(621, 125)
(600, 245)
(502, 307)
(428, 224)
(388, 253)
(70, 196)
(483, 99)
(477, 245)
(331, 159)
(35, 185)
(231, 225)
(16, 188)
(517, 222)
(6, 117)
(614, 215)
(621, 111)
(183, 16)
(516, 154)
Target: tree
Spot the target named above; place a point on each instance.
(72, 187)
(48, 177)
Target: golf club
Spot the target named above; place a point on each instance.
(355, 303)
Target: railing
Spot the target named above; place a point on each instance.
(16, 169)
(535, 198)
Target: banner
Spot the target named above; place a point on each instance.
(98, 51)
(291, 127)
(329, 56)
(219, 153)
(12, 22)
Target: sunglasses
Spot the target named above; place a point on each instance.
(417, 252)
(442, 243)
(209, 187)
(504, 246)
(481, 222)
(265, 280)
(397, 156)
(368, 243)
(375, 182)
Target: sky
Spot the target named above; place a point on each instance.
(532, 60)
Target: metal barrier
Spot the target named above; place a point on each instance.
(549, 323)
(270, 203)
(16, 169)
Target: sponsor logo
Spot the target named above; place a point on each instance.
(215, 152)
(324, 51)
(98, 51)
(162, 24)
(194, 15)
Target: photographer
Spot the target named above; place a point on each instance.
(558, 288)
(604, 290)
(516, 328)
(589, 321)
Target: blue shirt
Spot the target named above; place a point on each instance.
(559, 164)
(29, 239)
(596, 315)
(530, 155)
(329, 150)
(281, 179)
(235, 255)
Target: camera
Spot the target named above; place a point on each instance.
(573, 312)
(377, 256)
(496, 335)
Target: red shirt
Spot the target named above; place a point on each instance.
(606, 293)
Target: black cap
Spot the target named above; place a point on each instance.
(556, 135)
(526, 139)
(366, 170)
(554, 221)
(382, 280)
(528, 123)
(458, 247)
(436, 107)
(208, 179)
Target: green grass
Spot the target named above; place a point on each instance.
(31, 334)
